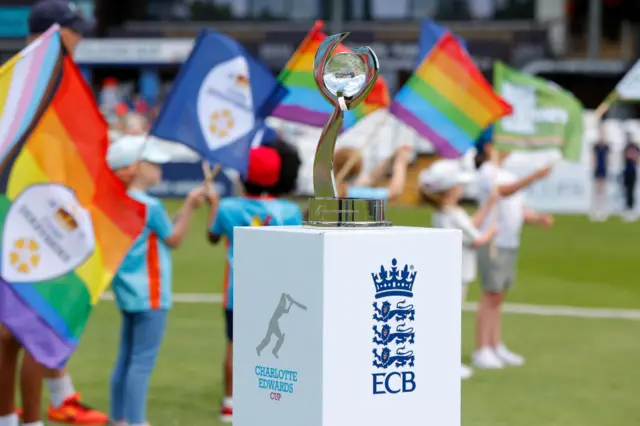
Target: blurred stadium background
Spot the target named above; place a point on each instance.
(137, 48)
(581, 360)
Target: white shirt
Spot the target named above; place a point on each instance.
(457, 218)
(510, 210)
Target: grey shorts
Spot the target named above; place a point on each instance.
(497, 273)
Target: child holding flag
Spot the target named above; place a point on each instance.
(65, 403)
(443, 184)
(272, 173)
(142, 285)
(30, 383)
(498, 264)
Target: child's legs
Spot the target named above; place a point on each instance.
(228, 361)
(632, 193)
(629, 181)
(599, 194)
(485, 318)
(60, 387)
(147, 332)
(507, 260)
(31, 381)
(228, 371)
(494, 284)
(119, 375)
(56, 374)
(9, 350)
(494, 319)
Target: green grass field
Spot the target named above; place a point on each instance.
(579, 372)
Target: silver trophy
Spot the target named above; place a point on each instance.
(345, 80)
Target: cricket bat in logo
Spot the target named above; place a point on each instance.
(298, 304)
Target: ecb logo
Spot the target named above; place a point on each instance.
(393, 333)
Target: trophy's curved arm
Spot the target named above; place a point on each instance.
(324, 181)
(372, 66)
(326, 209)
(323, 176)
(324, 184)
(324, 52)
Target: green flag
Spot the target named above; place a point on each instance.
(544, 115)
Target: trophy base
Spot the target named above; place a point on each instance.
(346, 212)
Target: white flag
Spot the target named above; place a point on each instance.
(628, 89)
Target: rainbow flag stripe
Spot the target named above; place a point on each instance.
(447, 99)
(304, 103)
(66, 221)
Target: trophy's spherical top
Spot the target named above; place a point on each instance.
(345, 74)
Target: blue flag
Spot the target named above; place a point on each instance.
(265, 135)
(218, 101)
(430, 33)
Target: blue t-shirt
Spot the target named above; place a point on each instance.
(143, 281)
(368, 192)
(240, 211)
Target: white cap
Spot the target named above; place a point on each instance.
(126, 150)
(445, 174)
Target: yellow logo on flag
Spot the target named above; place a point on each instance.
(25, 255)
(221, 123)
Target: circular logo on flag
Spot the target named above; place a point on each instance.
(47, 234)
(221, 123)
(225, 104)
(25, 255)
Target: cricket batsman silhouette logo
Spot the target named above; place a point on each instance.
(284, 306)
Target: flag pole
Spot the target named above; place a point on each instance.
(210, 174)
(605, 105)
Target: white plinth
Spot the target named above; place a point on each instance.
(324, 371)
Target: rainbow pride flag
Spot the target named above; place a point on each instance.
(304, 103)
(447, 99)
(66, 221)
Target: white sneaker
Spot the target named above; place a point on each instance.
(465, 372)
(485, 358)
(226, 413)
(507, 357)
(629, 217)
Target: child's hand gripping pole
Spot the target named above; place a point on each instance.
(210, 174)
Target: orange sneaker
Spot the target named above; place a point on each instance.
(74, 412)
